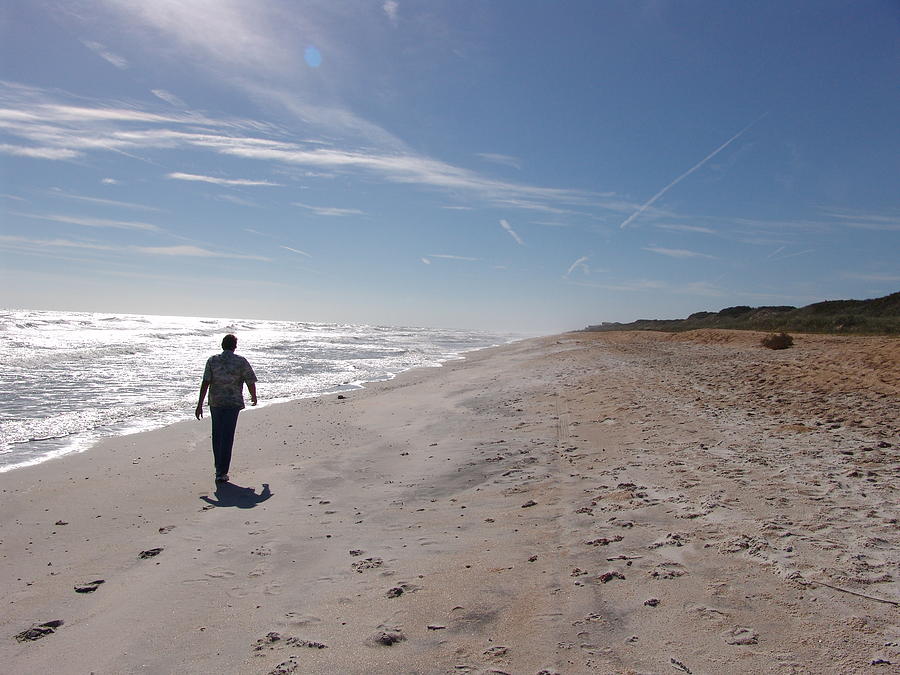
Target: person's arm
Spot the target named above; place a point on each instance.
(198, 413)
(250, 380)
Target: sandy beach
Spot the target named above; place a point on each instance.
(585, 503)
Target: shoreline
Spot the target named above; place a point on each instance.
(83, 441)
(688, 470)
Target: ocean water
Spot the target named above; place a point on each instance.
(68, 379)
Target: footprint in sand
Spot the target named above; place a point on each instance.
(298, 619)
(497, 652)
(740, 635)
(708, 613)
(150, 553)
(39, 630)
(89, 587)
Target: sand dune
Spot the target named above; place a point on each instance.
(588, 503)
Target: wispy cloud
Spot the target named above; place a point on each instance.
(505, 160)
(25, 243)
(37, 245)
(402, 169)
(780, 255)
(221, 181)
(391, 8)
(685, 228)
(512, 233)
(425, 261)
(267, 68)
(531, 204)
(240, 201)
(676, 252)
(176, 25)
(168, 97)
(296, 250)
(62, 131)
(193, 252)
(100, 50)
(702, 288)
(871, 276)
(93, 222)
(329, 210)
(452, 257)
(863, 220)
(630, 286)
(649, 202)
(38, 153)
(109, 181)
(698, 288)
(103, 202)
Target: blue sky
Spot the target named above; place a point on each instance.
(515, 165)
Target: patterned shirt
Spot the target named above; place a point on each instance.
(226, 374)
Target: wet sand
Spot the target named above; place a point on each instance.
(587, 503)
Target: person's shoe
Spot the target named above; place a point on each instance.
(222, 478)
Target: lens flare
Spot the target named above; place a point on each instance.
(313, 57)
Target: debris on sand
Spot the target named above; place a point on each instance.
(388, 636)
(367, 564)
(284, 668)
(274, 639)
(604, 541)
(606, 577)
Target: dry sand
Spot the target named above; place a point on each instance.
(588, 503)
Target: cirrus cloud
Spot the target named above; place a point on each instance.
(220, 181)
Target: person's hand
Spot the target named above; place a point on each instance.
(253, 401)
(198, 413)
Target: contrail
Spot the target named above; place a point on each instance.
(687, 173)
(512, 233)
(580, 262)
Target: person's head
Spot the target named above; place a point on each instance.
(229, 342)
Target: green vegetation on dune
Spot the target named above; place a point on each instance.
(879, 316)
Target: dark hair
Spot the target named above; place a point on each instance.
(229, 342)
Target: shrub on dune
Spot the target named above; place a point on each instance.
(777, 341)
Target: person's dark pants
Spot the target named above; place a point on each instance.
(224, 422)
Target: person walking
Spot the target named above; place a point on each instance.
(224, 377)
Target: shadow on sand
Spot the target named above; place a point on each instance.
(229, 494)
